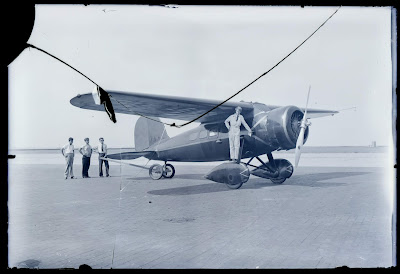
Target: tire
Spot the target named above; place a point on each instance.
(237, 186)
(156, 171)
(169, 171)
(285, 168)
(278, 181)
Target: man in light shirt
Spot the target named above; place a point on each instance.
(86, 151)
(233, 124)
(102, 150)
(68, 152)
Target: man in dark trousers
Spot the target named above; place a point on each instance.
(86, 151)
(102, 150)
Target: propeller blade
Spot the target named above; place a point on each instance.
(300, 139)
(299, 145)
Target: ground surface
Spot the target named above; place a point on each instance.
(334, 211)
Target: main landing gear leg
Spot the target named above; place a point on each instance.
(271, 160)
(248, 163)
(273, 169)
(277, 180)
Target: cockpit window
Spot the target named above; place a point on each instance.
(203, 134)
(213, 132)
(193, 136)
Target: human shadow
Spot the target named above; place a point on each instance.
(308, 180)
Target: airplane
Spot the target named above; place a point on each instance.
(274, 128)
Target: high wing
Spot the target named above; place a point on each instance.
(173, 107)
(162, 106)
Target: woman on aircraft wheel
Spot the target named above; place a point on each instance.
(233, 124)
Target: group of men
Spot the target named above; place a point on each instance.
(68, 151)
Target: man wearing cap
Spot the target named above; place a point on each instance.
(68, 153)
(86, 151)
(233, 124)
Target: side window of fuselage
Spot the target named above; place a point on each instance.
(213, 132)
(193, 136)
(203, 134)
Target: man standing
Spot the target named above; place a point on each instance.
(69, 153)
(86, 151)
(233, 124)
(102, 150)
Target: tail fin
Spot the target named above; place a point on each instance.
(148, 132)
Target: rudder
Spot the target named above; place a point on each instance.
(148, 132)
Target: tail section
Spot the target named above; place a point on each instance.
(148, 132)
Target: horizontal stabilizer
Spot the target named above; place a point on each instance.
(130, 155)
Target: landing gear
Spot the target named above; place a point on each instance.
(230, 177)
(278, 181)
(169, 171)
(157, 171)
(234, 186)
(277, 170)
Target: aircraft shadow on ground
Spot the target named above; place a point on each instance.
(310, 180)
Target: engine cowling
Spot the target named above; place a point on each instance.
(279, 128)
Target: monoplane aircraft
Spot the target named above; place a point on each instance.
(274, 128)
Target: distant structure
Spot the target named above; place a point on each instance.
(373, 144)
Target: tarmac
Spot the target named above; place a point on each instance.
(324, 216)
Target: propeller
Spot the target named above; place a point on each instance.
(300, 139)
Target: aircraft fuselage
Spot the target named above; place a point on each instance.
(273, 129)
(203, 145)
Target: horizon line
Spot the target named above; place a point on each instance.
(58, 148)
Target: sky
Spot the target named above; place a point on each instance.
(205, 52)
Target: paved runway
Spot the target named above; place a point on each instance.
(322, 217)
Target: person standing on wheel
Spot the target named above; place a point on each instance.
(233, 124)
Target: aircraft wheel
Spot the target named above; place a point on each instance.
(169, 171)
(278, 181)
(234, 186)
(156, 171)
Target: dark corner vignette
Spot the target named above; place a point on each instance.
(18, 21)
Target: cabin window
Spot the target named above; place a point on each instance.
(203, 134)
(193, 136)
(213, 132)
